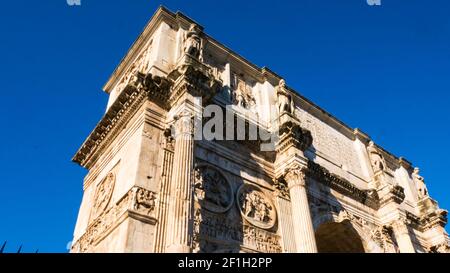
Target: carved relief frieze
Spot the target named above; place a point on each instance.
(212, 190)
(242, 92)
(103, 194)
(221, 233)
(255, 206)
(138, 200)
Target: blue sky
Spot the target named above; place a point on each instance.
(383, 69)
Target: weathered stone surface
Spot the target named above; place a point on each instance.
(153, 186)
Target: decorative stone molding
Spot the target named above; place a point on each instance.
(255, 206)
(211, 189)
(292, 134)
(322, 175)
(125, 105)
(437, 218)
(396, 194)
(137, 202)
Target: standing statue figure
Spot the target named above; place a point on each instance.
(420, 183)
(375, 157)
(193, 42)
(285, 101)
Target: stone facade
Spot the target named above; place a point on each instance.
(324, 187)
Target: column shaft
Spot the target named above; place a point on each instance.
(181, 208)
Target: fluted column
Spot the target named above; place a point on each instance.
(402, 236)
(180, 218)
(301, 216)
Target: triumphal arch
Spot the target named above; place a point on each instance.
(280, 174)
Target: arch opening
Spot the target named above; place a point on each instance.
(335, 237)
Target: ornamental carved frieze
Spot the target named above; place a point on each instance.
(255, 206)
(212, 190)
(103, 194)
(226, 233)
(137, 201)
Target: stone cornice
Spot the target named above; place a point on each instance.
(124, 107)
(322, 175)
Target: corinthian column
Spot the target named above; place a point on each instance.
(303, 227)
(180, 207)
(402, 236)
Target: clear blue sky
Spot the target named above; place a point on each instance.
(383, 69)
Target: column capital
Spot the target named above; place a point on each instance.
(400, 226)
(295, 175)
(183, 124)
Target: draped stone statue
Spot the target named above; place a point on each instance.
(376, 158)
(285, 101)
(193, 42)
(420, 183)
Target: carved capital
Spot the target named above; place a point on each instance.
(184, 125)
(295, 176)
(400, 227)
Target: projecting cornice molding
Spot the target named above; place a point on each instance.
(322, 175)
(127, 103)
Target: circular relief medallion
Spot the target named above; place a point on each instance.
(103, 194)
(255, 206)
(212, 190)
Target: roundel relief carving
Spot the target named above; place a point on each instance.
(212, 190)
(255, 206)
(103, 194)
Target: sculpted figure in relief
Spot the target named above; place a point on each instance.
(242, 95)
